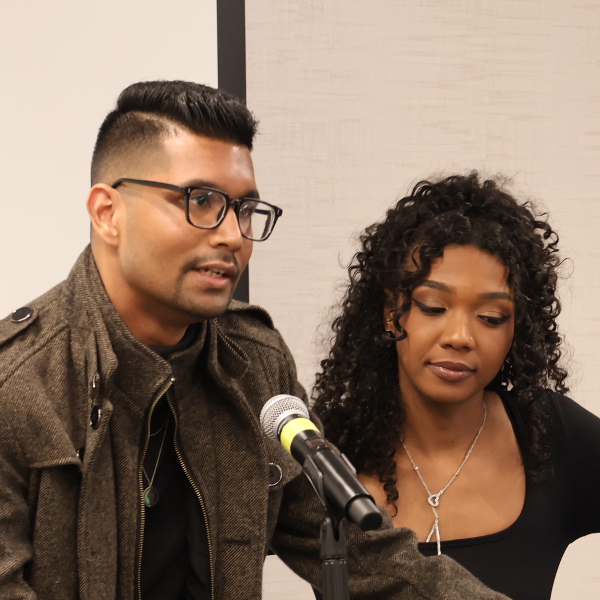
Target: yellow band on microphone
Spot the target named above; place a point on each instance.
(293, 428)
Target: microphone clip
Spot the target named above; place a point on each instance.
(315, 477)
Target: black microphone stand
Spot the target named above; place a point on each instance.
(333, 541)
(334, 558)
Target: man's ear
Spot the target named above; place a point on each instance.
(103, 203)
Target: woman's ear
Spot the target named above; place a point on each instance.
(388, 311)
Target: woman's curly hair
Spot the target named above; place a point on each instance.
(357, 393)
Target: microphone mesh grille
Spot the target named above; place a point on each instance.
(275, 408)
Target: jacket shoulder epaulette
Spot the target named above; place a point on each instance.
(17, 322)
(22, 319)
(243, 308)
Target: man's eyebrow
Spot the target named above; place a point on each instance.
(205, 183)
(443, 287)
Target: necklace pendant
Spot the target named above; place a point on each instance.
(434, 500)
(151, 496)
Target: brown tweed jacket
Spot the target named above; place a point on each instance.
(75, 389)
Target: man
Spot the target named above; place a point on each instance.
(133, 463)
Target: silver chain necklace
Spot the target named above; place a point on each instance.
(151, 495)
(434, 499)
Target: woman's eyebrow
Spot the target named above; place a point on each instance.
(496, 296)
(444, 287)
(436, 285)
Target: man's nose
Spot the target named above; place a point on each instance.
(228, 232)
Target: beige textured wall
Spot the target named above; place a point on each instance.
(63, 63)
(358, 100)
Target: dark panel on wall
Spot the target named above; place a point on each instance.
(231, 47)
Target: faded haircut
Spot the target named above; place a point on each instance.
(149, 111)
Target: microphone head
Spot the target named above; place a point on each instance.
(277, 410)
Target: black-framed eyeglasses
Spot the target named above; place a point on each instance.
(206, 208)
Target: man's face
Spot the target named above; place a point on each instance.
(171, 272)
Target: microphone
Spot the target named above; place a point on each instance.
(286, 418)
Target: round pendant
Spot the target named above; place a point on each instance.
(151, 496)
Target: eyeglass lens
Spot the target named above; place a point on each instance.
(255, 218)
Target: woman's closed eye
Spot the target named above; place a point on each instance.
(491, 320)
(429, 310)
(494, 321)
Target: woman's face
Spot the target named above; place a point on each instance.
(459, 328)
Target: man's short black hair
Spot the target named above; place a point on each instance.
(149, 110)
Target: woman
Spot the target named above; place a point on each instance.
(443, 385)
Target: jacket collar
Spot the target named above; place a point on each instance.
(128, 364)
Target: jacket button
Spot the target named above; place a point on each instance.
(274, 474)
(21, 314)
(95, 416)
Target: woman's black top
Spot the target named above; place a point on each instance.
(522, 561)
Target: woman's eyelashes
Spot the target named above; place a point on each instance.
(494, 321)
(429, 310)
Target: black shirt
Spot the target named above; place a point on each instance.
(175, 560)
(522, 561)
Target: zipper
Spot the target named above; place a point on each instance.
(198, 495)
(161, 393)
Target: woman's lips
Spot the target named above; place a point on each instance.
(451, 371)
